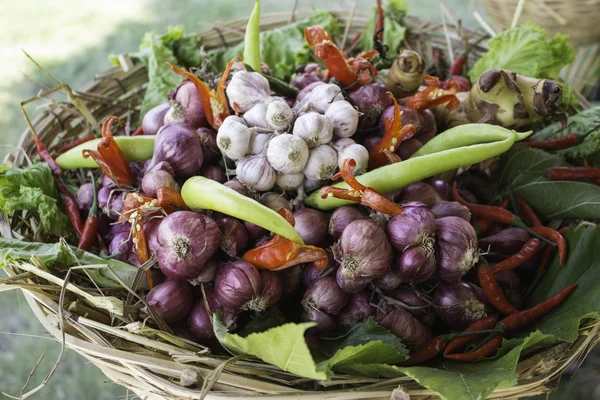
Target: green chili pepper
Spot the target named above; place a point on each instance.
(454, 148)
(203, 193)
(252, 39)
(135, 148)
(468, 135)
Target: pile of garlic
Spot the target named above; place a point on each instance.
(295, 148)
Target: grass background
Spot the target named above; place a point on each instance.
(72, 38)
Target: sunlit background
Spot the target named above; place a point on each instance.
(72, 39)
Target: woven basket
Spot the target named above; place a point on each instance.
(167, 367)
(576, 18)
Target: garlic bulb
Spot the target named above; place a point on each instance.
(359, 153)
(234, 137)
(257, 116)
(289, 181)
(279, 114)
(314, 128)
(323, 96)
(344, 118)
(275, 201)
(247, 89)
(287, 153)
(321, 164)
(256, 173)
(339, 144)
(260, 142)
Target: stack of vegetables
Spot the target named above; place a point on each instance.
(228, 197)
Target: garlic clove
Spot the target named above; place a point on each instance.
(322, 163)
(287, 153)
(344, 118)
(289, 181)
(247, 89)
(357, 152)
(256, 173)
(279, 115)
(314, 129)
(234, 137)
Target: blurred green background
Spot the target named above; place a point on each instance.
(72, 38)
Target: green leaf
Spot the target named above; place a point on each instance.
(283, 346)
(579, 123)
(154, 53)
(263, 322)
(362, 343)
(282, 48)
(514, 48)
(393, 33)
(32, 189)
(61, 255)
(524, 169)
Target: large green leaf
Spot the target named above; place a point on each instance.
(61, 255)
(284, 346)
(524, 169)
(579, 123)
(362, 343)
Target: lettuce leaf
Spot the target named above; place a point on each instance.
(62, 256)
(526, 50)
(174, 47)
(394, 31)
(32, 189)
(282, 48)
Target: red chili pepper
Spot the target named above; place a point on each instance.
(77, 142)
(71, 206)
(563, 142)
(481, 226)
(573, 173)
(487, 350)
(484, 323)
(458, 65)
(45, 155)
(435, 347)
(522, 319)
(529, 249)
(557, 238)
(170, 200)
(101, 244)
(90, 229)
(379, 22)
(496, 214)
(139, 131)
(280, 253)
(358, 192)
(546, 259)
(434, 95)
(394, 135)
(528, 213)
(109, 156)
(586, 164)
(492, 290)
(564, 230)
